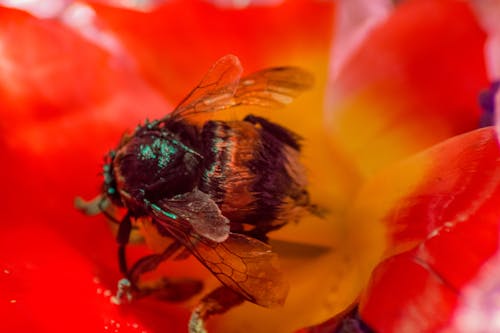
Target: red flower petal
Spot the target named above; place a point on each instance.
(65, 103)
(54, 84)
(181, 39)
(404, 296)
(461, 176)
(448, 228)
(413, 83)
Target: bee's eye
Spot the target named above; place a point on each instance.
(106, 168)
(108, 178)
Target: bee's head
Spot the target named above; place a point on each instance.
(153, 163)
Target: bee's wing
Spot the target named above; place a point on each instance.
(196, 207)
(273, 87)
(221, 88)
(215, 91)
(242, 263)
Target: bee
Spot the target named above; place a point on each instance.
(214, 188)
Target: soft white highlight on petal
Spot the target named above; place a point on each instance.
(488, 12)
(354, 21)
(39, 8)
(241, 4)
(82, 19)
(492, 54)
(139, 5)
(9, 71)
(54, 8)
(478, 308)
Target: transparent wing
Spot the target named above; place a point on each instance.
(222, 88)
(215, 91)
(200, 211)
(242, 263)
(273, 87)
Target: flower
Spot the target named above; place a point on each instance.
(400, 146)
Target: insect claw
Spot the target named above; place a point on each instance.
(196, 322)
(218, 301)
(124, 293)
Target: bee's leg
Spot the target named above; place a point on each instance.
(169, 289)
(150, 262)
(122, 237)
(123, 295)
(218, 301)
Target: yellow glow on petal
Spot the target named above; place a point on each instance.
(320, 287)
(366, 232)
(373, 134)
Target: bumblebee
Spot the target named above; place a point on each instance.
(214, 188)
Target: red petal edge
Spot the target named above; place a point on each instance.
(429, 287)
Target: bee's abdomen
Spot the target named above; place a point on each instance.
(251, 170)
(226, 176)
